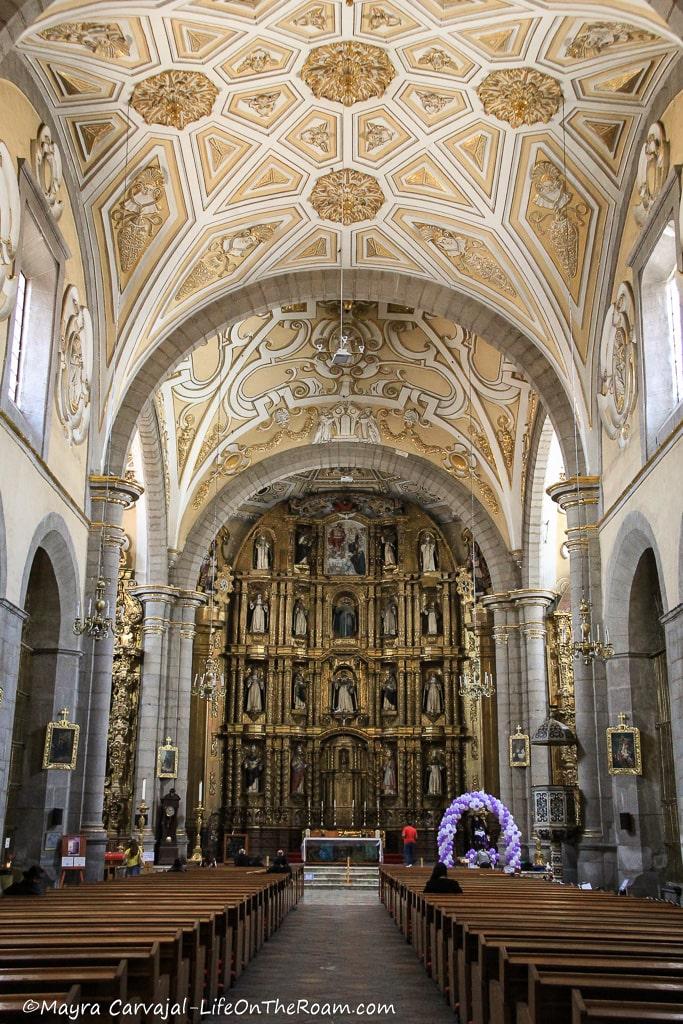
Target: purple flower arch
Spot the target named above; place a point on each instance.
(479, 801)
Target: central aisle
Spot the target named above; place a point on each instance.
(339, 947)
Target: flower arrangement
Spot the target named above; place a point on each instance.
(480, 801)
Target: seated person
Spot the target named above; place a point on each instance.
(32, 884)
(438, 881)
(241, 860)
(208, 861)
(280, 865)
(179, 864)
(483, 859)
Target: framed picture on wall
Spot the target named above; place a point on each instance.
(623, 749)
(61, 743)
(520, 749)
(167, 761)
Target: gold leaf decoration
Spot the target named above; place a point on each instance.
(593, 39)
(174, 98)
(469, 255)
(223, 257)
(520, 96)
(346, 196)
(557, 215)
(347, 72)
(137, 217)
(104, 39)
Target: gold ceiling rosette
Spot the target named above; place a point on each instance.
(520, 96)
(174, 98)
(347, 72)
(346, 196)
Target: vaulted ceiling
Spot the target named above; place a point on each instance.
(477, 143)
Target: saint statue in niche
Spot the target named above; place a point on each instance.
(259, 614)
(390, 693)
(253, 769)
(303, 547)
(390, 618)
(432, 614)
(389, 559)
(428, 556)
(435, 775)
(299, 619)
(298, 692)
(297, 772)
(432, 698)
(389, 780)
(344, 617)
(254, 690)
(344, 699)
(263, 552)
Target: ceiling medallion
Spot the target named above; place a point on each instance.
(520, 96)
(347, 72)
(174, 98)
(346, 197)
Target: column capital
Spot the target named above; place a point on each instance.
(497, 602)
(114, 490)
(149, 592)
(575, 491)
(531, 598)
(192, 598)
(671, 615)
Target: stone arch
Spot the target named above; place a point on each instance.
(368, 285)
(3, 552)
(539, 450)
(504, 574)
(155, 495)
(634, 538)
(52, 535)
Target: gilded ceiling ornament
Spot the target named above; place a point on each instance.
(556, 214)
(469, 255)
(232, 460)
(104, 39)
(618, 376)
(10, 219)
(653, 169)
(46, 159)
(520, 96)
(315, 18)
(74, 372)
(346, 422)
(346, 197)
(433, 102)
(258, 61)
(318, 136)
(506, 440)
(223, 257)
(137, 217)
(347, 72)
(482, 442)
(438, 60)
(377, 135)
(186, 431)
(593, 39)
(174, 98)
(263, 103)
(380, 18)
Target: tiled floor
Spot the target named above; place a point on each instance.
(337, 947)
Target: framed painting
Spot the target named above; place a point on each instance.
(167, 761)
(346, 548)
(623, 749)
(61, 743)
(519, 749)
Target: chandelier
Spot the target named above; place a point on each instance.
(209, 684)
(475, 685)
(97, 624)
(590, 647)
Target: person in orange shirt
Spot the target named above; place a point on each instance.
(409, 840)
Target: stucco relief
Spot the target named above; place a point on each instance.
(46, 159)
(74, 371)
(618, 379)
(10, 218)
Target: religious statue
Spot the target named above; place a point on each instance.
(432, 698)
(344, 699)
(435, 775)
(254, 687)
(263, 552)
(253, 768)
(428, 553)
(389, 559)
(303, 547)
(259, 614)
(390, 693)
(480, 836)
(431, 614)
(299, 619)
(389, 780)
(323, 432)
(390, 618)
(344, 617)
(298, 692)
(207, 572)
(297, 773)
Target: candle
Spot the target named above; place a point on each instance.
(144, 788)
(201, 791)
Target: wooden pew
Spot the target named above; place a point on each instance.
(605, 1011)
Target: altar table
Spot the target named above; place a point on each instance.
(336, 849)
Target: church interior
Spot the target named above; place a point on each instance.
(341, 475)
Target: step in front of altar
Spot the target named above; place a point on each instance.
(338, 876)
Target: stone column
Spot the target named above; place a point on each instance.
(156, 602)
(595, 852)
(673, 632)
(184, 614)
(532, 608)
(110, 496)
(11, 625)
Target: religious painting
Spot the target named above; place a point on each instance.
(520, 749)
(61, 744)
(167, 761)
(623, 749)
(346, 548)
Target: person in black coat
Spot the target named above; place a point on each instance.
(439, 882)
(32, 884)
(280, 865)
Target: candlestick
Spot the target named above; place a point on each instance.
(144, 788)
(201, 791)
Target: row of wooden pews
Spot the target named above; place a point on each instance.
(159, 939)
(523, 951)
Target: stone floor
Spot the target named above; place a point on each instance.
(337, 947)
